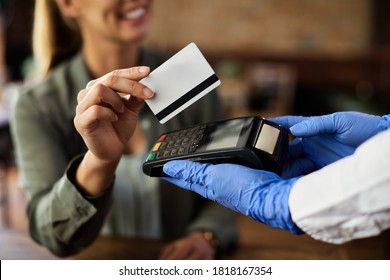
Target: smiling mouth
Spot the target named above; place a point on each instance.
(135, 14)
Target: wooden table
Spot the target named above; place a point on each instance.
(257, 242)
(124, 248)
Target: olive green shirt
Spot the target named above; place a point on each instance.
(49, 149)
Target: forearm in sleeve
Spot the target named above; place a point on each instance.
(63, 220)
(348, 199)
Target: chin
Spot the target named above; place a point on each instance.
(134, 39)
(140, 35)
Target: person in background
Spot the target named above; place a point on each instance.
(335, 188)
(82, 133)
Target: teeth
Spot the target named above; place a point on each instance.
(135, 14)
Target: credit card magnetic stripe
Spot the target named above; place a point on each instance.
(187, 96)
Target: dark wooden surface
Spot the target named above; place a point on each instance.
(257, 242)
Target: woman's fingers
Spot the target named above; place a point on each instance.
(93, 115)
(102, 95)
(133, 73)
(126, 81)
(114, 89)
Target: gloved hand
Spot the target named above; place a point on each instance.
(324, 139)
(261, 195)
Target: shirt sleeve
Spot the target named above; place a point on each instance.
(60, 217)
(63, 219)
(348, 199)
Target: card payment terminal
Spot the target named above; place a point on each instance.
(251, 141)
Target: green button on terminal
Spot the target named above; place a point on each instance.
(152, 156)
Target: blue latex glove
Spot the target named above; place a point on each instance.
(322, 140)
(261, 195)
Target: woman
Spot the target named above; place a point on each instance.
(80, 148)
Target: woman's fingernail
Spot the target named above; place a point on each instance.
(148, 92)
(143, 69)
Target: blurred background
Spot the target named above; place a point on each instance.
(320, 55)
(274, 57)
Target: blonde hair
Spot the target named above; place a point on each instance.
(55, 37)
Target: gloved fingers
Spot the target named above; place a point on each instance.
(189, 171)
(324, 150)
(314, 126)
(288, 121)
(197, 176)
(356, 127)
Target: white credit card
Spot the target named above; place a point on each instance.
(179, 82)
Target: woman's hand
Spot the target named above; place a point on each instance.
(107, 111)
(106, 117)
(191, 247)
